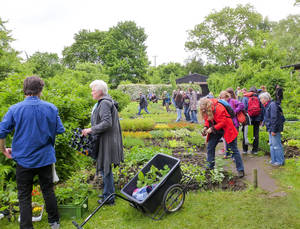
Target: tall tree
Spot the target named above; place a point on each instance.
(124, 53)
(85, 48)
(9, 62)
(45, 64)
(286, 34)
(222, 35)
(121, 50)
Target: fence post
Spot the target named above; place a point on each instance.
(255, 178)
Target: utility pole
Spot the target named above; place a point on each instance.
(154, 60)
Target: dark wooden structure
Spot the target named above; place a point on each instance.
(195, 78)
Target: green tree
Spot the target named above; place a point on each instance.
(286, 34)
(85, 48)
(9, 62)
(164, 73)
(124, 53)
(222, 35)
(44, 64)
(121, 50)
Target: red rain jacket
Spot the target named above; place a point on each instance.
(222, 120)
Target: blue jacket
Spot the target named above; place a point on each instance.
(273, 119)
(35, 124)
(257, 118)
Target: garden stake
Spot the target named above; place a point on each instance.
(255, 178)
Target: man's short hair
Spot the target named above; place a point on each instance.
(33, 85)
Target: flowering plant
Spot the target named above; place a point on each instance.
(36, 210)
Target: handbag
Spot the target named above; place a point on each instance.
(241, 117)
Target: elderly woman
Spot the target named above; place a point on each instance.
(218, 123)
(273, 119)
(106, 129)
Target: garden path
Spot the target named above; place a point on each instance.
(264, 173)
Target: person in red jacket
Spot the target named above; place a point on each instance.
(218, 124)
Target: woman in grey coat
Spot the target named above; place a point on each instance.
(107, 131)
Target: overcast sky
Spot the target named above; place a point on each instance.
(49, 25)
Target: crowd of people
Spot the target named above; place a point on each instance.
(225, 116)
(35, 124)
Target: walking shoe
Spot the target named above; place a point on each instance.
(54, 225)
(245, 152)
(276, 164)
(101, 196)
(254, 152)
(241, 173)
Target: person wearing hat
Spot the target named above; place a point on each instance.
(255, 110)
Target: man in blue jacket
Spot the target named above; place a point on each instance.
(256, 118)
(35, 124)
(273, 120)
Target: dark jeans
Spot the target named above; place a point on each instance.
(232, 146)
(24, 183)
(187, 113)
(255, 135)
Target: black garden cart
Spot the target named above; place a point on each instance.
(166, 197)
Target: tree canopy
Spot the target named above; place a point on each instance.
(222, 35)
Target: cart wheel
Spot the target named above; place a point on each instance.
(173, 198)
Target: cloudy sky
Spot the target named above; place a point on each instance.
(49, 25)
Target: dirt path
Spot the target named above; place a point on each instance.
(264, 173)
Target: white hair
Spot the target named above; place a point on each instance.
(99, 85)
(266, 96)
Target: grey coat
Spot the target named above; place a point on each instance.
(106, 125)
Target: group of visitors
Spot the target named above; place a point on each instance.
(256, 108)
(36, 123)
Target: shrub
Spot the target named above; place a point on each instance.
(137, 124)
(264, 141)
(137, 134)
(122, 98)
(180, 133)
(129, 142)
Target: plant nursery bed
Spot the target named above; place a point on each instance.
(73, 211)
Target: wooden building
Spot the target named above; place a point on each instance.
(195, 78)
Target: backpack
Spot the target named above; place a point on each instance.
(253, 106)
(227, 107)
(241, 117)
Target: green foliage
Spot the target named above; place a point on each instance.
(223, 34)
(195, 139)
(291, 131)
(176, 143)
(45, 64)
(162, 134)
(9, 62)
(285, 34)
(294, 143)
(264, 141)
(153, 176)
(166, 73)
(122, 98)
(129, 142)
(180, 133)
(137, 124)
(121, 50)
(73, 191)
(138, 155)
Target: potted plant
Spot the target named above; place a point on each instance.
(37, 212)
(72, 196)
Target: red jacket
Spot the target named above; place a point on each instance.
(222, 120)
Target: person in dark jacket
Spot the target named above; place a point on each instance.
(143, 104)
(255, 121)
(35, 124)
(179, 105)
(278, 94)
(273, 120)
(107, 130)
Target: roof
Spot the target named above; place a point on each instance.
(195, 77)
(295, 66)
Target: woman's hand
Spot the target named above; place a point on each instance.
(85, 132)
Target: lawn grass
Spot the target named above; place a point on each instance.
(218, 209)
